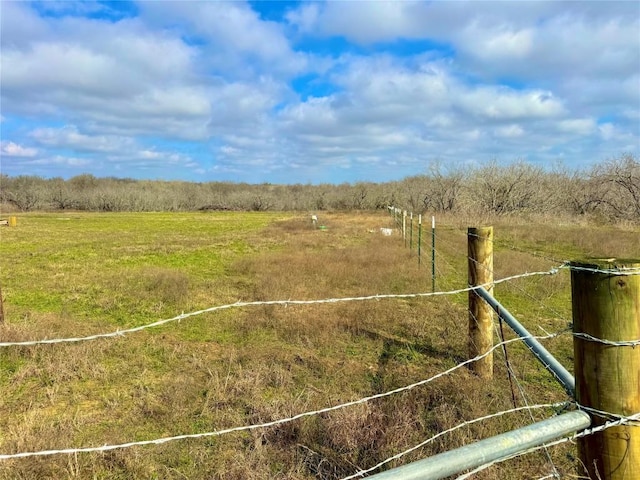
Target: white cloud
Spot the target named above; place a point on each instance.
(305, 17)
(97, 58)
(117, 75)
(510, 131)
(70, 137)
(579, 126)
(66, 161)
(236, 38)
(12, 149)
(386, 96)
(498, 44)
(379, 21)
(505, 104)
(150, 158)
(215, 83)
(611, 132)
(20, 25)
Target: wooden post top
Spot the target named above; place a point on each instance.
(609, 265)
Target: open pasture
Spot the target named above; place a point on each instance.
(78, 274)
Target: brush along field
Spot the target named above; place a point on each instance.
(73, 275)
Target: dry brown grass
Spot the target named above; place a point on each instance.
(253, 365)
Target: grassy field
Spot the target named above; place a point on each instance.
(73, 274)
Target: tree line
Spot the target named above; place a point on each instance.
(610, 190)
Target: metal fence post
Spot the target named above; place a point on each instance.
(419, 238)
(605, 297)
(433, 254)
(411, 231)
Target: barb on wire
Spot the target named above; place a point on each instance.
(527, 294)
(182, 316)
(159, 441)
(608, 415)
(449, 430)
(621, 271)
(622, 343)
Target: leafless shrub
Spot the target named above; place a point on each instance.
(619, 182)
(502, 190)
(610, 190)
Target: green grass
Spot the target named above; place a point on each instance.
(80, 274)
(87, 265)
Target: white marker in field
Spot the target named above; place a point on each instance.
(314, 220)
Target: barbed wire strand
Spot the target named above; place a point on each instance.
(622, 343)
(510, 246)
(622, 271)
(261, 425)
(441, 256)
(182, 316)
(606, 415)
(611, 271)
(558, 314)
(511, 373)
(523, 395)
(449, 430)
(584, 336)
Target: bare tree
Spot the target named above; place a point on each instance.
(60, 194)
(621, 179)
(502, 190)
(445, 187)
(413, 192)
(25, 192)
(359, 195)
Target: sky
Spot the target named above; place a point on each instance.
(314, 92)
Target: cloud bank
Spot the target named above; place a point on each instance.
(314, 92)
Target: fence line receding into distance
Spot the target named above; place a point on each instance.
(588, 335)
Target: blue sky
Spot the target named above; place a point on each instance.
(314, 92)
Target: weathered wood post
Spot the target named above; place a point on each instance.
(404, 227)
(605, 297)
(480, 266)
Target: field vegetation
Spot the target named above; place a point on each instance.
(71, 273)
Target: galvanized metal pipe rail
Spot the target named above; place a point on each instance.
(542, 354)
(489, 450)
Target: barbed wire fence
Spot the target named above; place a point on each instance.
(451, 242)
(614, 269)
(613, 419)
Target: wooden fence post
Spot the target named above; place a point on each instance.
(480, 266)
(606, 306)
(404, 227)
